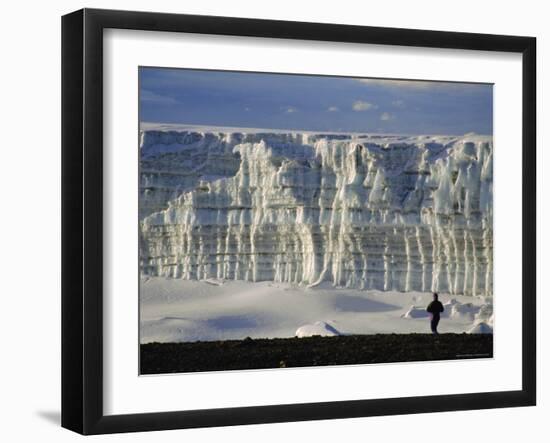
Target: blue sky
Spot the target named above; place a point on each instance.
(313, 103)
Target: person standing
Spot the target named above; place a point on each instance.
(435, 308)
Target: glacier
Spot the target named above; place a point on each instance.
(363, 211)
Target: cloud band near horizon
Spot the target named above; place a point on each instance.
(313, 103)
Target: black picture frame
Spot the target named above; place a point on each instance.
(82, 218)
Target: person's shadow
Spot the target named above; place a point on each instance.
(54, 417)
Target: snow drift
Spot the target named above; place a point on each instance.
(318, 328)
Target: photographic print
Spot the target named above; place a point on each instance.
(293, 220)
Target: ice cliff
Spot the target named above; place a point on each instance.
(380, 212)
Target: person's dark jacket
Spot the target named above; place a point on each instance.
(435, 307)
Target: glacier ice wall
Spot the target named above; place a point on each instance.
(376, 212)
(174, 162)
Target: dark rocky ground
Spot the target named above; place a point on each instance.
(159, 358)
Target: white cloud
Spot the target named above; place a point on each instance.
(360, 105)
(290, 109)
(333, 109)
(152, 97)
(412, 84)
(419, 84)
(385, 116)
